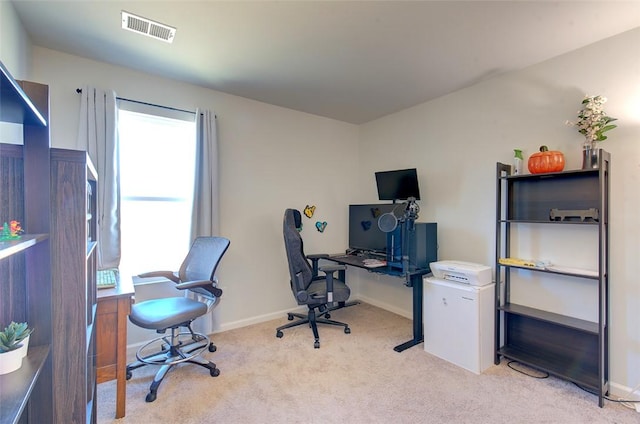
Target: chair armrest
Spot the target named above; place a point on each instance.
(170, 275)
(204, 284)
(330, 269)
(301, 294)
(329, 281)
(315, 258)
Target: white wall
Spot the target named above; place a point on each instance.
(455, 142)
(15, 46)
(15, 54)
(270, 159)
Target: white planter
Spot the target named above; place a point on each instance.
(10, 361)
(25, 346)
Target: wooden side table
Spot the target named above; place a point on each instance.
(114, 306)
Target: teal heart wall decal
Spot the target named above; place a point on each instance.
(320, 226)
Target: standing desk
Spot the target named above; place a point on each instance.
(413, 280)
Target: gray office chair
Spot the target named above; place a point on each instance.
(197, 276)
(317, 292)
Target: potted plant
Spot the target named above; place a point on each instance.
(592, 123)
(10, 354)
(22, 333)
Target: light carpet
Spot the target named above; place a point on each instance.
(355, 378)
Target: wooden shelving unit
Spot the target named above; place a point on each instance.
(73, 242)
(51, 269)
(26, 395)
(565, 346)
(16, 387)
(11, 247)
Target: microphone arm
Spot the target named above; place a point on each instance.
(411, 212)
(410, 215)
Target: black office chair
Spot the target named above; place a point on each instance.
(318, 292)
(197, 276)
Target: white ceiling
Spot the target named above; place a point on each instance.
(354, 61)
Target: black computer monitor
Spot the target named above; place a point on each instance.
(398, 185)
(364, 233)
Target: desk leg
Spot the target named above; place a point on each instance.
(124, 308)
(418, 335)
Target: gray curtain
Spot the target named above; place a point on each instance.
(205, 213)
(97, 134)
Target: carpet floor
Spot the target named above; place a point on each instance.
(354, 378)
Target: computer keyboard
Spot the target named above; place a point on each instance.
(107, 278)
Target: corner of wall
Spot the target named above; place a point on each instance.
(15, 45)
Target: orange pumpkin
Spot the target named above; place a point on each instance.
(546, 161)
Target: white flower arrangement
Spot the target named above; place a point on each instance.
(592, 121)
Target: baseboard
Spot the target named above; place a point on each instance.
(258, 319)
(387, 307)
(303, 309)
(623, 392)
(133, 347)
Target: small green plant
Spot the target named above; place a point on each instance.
(8, 340)
(592, 122)
(13, 335)
(21, 329)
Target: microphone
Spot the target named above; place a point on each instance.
(411, 212)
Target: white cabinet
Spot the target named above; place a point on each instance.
(459, 323)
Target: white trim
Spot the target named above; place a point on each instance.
(387, 307)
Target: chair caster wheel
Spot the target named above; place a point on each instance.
(327, 316)
(279, 334)
(214, 372)
(212, 347)
(316, 344)
(151, 396)
(347, 330)
(129, 375)
(290, 317)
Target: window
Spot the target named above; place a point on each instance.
(157, 166)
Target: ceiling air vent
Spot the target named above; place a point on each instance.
(147, 27)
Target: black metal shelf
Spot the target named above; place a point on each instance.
(547, 222)
(566, 368)
(550, 175)
(558, 319)
(567, 347)
(549, 271)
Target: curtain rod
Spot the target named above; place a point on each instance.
(79, 90)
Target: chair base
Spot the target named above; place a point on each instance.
(337, 306)
(171, 351)
(313, 319)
